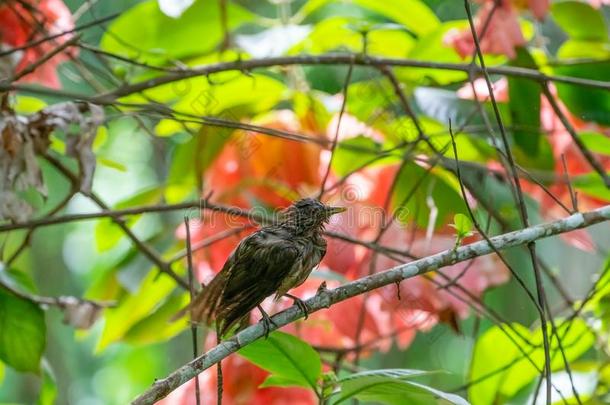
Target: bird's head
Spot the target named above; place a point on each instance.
(308, 215)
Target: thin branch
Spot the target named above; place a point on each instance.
(59, 302)
(348, 79)
(328, 59)
(189, 256)
(325, 298)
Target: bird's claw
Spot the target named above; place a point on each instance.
(299, 303)
(267, 322)
(302, 306)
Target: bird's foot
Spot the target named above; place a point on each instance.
(267, 321)
(299, 303)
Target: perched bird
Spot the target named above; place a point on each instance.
(274, 259)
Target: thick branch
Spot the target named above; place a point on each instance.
(325, 298)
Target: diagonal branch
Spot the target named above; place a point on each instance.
(325, 298)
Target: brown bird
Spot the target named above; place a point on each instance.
(274, 259)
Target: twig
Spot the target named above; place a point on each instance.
(44, 59)
(189, 257)
(573, 195)
(348, 78)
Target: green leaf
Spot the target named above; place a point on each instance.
(108, 234)
(19, 280)
(391, 386)
(277, 381)
(462, 224)
(289, 359)
(504, 370)
(586, 103)
(419, 19)
(151, 295)
(190, 159)
(576, 49)
(335, 33)
(353, 154)
(230, 97)
(592, 185)
(147, 196)
(159, 326)
(112, 164)
(414, 187)
(22, 332)
(48, 387)
(28, 105)
(146, 34)
(524, 106)
(595, 142)
(444, 105)
(579, 20)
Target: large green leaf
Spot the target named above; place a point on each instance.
(500, 368)
(416, 185)
(356, 153)
(22, 332)
(524, 106)
(134, 308)
(190, 159)
(145, 33)
(339, 33)
(415, 15)
(579, 20)
(291, 361)
(159, 326)
(230, 97)
(444, 105)
(592, 185)
(391, 386)
(586, 103)
(595, 142)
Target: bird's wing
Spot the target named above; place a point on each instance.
(258, 266)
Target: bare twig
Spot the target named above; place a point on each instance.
(189, 257)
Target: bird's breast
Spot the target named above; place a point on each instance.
(312, 252)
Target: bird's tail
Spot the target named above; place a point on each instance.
(205, 304)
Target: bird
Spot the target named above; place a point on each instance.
(272, 260)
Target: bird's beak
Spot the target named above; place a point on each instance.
(335, 210)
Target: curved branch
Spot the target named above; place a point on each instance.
(325, 298)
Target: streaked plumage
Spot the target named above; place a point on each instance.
(274, 259)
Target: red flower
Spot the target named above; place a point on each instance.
(31, 20)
